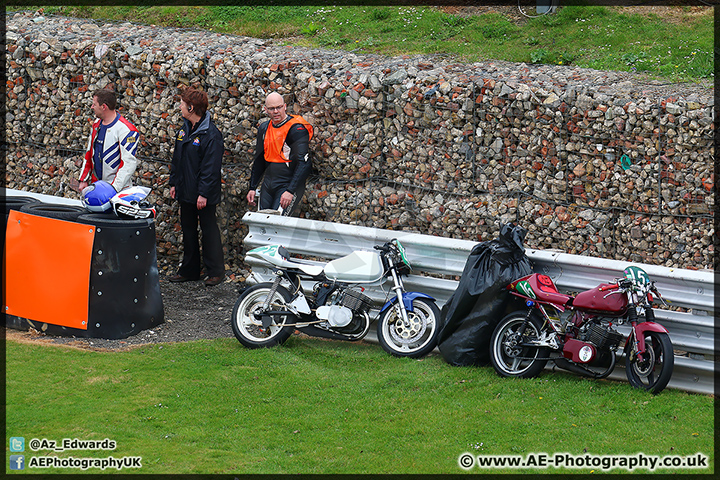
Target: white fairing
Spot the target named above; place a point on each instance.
(358, 267)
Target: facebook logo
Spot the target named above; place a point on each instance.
(17, 462)
(17, 444)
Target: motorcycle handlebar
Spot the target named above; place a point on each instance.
(386, 247)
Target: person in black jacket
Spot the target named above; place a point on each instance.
(195, 183)
(282, 157)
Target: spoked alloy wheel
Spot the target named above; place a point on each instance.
(247, 324)
(653, 372)
(509, 357)
(415, 339)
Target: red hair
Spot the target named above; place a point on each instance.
(197, 99)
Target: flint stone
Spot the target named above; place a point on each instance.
(673, 108)
(396, 77)
(133, 50)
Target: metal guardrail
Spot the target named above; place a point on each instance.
(690, 332)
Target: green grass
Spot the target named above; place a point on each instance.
(586, 36)
(316, 406)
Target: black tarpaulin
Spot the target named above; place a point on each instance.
(480, 301)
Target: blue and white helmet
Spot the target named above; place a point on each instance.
(96, 197)
(130, 203)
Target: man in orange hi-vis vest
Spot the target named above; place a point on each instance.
(282, 157)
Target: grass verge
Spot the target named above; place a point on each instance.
(316, 406)
(599, 37)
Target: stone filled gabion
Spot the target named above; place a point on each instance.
(590, 162)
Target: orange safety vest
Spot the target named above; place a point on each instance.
(276, 151)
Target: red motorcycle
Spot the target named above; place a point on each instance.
(584, 340)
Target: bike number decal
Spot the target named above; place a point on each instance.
(636, 275)
(269, 250)
(546, 284)
(525, 289)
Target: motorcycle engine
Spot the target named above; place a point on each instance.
(336, 315)
(345, 309)
(603, 337)
(355, 301)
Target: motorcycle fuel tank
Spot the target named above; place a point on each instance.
(358, 267)
(604, 298)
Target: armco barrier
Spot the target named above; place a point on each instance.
(691, 332)
(68, 272)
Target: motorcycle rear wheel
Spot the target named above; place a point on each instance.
(510, 359)
(248, 329)
(654, 371)
(414, 340)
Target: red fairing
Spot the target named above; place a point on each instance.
(546, 290)
(512, 285)
(602, 298)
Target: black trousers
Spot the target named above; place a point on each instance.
(212, 251)
(275, 183)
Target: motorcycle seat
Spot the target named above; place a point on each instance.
(280, 257)
(312, 270)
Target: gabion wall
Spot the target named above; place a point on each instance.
(590, 162)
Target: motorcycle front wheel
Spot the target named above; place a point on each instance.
(507, 354)
(415, 339)
(248, 328)
(653, 372)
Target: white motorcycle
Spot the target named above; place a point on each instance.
(266, 314)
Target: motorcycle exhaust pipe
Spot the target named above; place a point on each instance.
(319, 332)
(575, 368)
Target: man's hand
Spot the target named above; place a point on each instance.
(201, 202)
(81, 186)
(251, 197)
(285, 199)
(172, 192)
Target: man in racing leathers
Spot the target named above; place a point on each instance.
(282, 155)
(111, 149)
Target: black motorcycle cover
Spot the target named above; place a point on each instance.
(480, 301)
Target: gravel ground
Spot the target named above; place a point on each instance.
(192, 311)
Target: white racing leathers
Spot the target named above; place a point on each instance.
(118, 155)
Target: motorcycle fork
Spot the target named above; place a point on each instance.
(398, 289)
(638, 342)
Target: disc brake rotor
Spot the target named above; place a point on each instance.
(645, 367)
(407, 334)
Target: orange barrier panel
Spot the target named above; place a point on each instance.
(47, 269)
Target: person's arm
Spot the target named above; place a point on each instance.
(298, 139)
(209, 176)
(128, 143)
